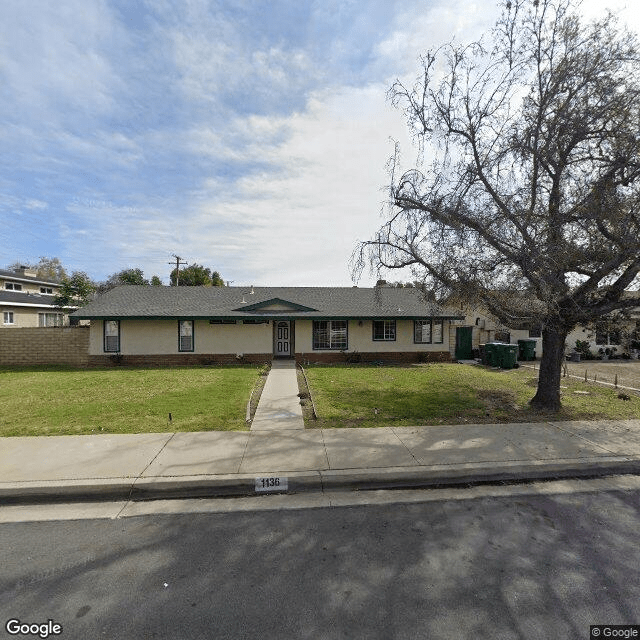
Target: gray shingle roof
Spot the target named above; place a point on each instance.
(15, 275)
(238, 302)
(23, 297)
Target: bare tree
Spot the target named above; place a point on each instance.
(526, 195)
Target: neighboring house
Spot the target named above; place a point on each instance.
(185, 325)
(27, 301)
(614, 336)
(479, 327)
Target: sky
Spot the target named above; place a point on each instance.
(248, 136)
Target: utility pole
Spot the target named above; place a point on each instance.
(178, 261)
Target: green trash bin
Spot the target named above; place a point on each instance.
(526, 349)
(496, 348)
(509, 356)
(491, 354)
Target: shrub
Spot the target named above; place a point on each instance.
(583, 347)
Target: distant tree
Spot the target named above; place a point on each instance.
(75, 291)
(155, 281)
(124, 277)
(132, 276)
(46, 268)
(51, 268)
(526, 196)
(196, 275)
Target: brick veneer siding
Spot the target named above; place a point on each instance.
(190, 359)
(44, 345)
(177, 359)
(375, 356)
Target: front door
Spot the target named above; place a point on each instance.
(464, 349)
(283, 338)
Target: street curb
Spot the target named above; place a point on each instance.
(164, 488)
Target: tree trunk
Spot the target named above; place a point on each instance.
(547, 397)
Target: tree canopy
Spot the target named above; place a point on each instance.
(75, 291)
(124, 277)
(525, 199)
(196, 275)
(132, 276)
(46, 268)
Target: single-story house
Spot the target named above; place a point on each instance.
(193, 325)
(28, 301)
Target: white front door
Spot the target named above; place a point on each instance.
(283, 338)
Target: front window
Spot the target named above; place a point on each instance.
(46, 290)
(13, 286)
(50, 319)
(422, 331)
(185, 342)
(437, 331)
(112, 336)
(602, 337)
(384, 330)
(8, 317)
(330, 334)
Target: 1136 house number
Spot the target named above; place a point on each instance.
(274, 483)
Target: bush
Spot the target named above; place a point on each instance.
(583, 347)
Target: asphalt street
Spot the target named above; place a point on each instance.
(537, 561)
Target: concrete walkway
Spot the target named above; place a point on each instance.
(171, 465)
(279, 407)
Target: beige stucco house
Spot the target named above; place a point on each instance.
(27, 300)
(189, 325)
(483, 328)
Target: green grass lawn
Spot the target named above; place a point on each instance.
(370, 396)
(62, 401)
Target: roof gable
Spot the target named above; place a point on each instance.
(274, 305)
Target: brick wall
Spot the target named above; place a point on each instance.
(189, 359)
(375, 356)
(177, 359)
(51, 345)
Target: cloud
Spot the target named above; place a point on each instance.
(54, 59)
(320, 193)
(249, 137)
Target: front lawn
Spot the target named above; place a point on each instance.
(63, 401)
(372, 396)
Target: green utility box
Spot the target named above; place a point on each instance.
(526, 349)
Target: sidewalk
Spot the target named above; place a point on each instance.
(171, 465)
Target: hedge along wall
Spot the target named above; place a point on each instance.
(44, 345)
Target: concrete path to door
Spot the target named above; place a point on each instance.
(279, 407)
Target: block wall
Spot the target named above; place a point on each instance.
(50, 345)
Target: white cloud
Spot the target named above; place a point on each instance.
(259, 155)
(32, 203)
(303, 218)
(53, 59)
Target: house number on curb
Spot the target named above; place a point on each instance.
(271, 484)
